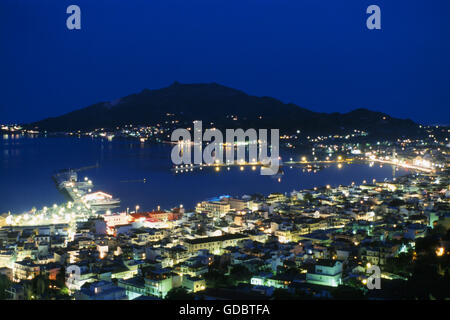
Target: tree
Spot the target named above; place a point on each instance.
(217, 279)
(201, 230)
(41, 287)
(64, 291)
(439, 231)
(282, 294)
(61, 277)
(5, 283)
(28, 291)
(179, 294)
(347, 293)
(240, 273)
(308, 197)
(396, 203)
(402, 264)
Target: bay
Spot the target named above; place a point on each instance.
(27, 164)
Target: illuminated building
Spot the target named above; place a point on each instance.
(25, 270)
(159, 282)
(194, 284)
(326, 273)
(99, 199)
(214, 244)
(134, 287)
(214, 208)
(158, 215)
(218, 207)
(276, 197)
(379, 254)
(270, 281)
(101, 290)
(117, 219)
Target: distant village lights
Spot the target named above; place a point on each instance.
(213, 153)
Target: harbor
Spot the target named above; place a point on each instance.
(82, 203)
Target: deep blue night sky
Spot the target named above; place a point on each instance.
(317, 54)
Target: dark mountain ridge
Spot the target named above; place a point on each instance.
(222, 107)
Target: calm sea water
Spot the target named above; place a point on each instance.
(27, 164)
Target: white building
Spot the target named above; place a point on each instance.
(326, 273)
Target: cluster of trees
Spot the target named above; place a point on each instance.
(218, 276)
(41, 287)
(179, 294)
(5, 284)
(428, 273)
(224, 275)
(431, 272)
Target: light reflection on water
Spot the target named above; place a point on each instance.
(28, 164)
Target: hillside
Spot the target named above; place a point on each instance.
(225, 108)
